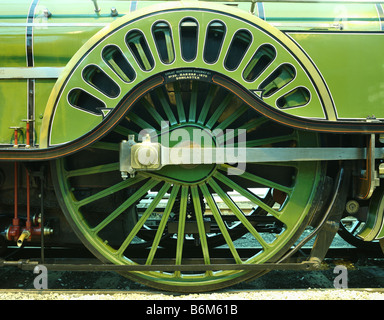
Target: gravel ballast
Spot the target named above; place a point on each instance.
(310, 294)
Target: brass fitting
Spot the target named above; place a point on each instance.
(24, 235)
(48, 231)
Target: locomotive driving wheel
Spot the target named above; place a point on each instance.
(164, 78)
(192, 207)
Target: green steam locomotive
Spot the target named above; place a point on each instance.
(195, 143)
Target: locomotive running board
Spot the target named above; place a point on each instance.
(30, 265)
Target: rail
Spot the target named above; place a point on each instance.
(26, 264)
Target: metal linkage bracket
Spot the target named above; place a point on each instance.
(370, 178)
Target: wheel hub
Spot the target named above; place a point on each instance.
(182, 143)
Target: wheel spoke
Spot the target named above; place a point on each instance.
(143, 218)
(193, 103)
(125, 205)
(152, 111)
(124, 131)
(166, 107)
(179, 103)
(169, 45)
(143, 56)
(207, 105)
(217, 215)
(94, 170)
(247, 194)
(108, 146)
(251, 125)
(163, 223)
(264, 182)
(238, 213)
(181, 227)
(234, 116)
(139, 121)
(108, 191)
(200, 225)
(218, 112)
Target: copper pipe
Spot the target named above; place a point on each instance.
(24, 235)
(28, 223)
(16, 219)
(27, 135)
(14, 230)
(28, 132)
(15, 134)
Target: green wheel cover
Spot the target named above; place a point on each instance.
(301, 91)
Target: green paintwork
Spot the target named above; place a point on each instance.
(15, 113)
(13, 93)
(357, 91)
(323, 16)
(12, 39)
(54, 45)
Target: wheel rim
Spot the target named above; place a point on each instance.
(349, 229)
(96, 215)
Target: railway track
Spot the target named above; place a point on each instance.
(160, 298)
(364, 269)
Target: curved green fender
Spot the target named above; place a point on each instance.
(373, 227)
(64, 121)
